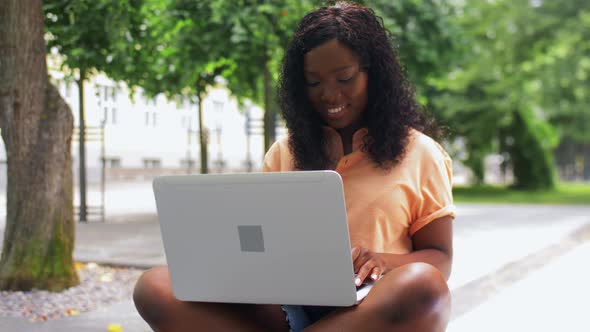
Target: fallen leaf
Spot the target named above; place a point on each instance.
(72, 312)
(115, 328)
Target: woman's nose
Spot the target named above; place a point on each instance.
(330, 94)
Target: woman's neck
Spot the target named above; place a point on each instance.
(346, 135)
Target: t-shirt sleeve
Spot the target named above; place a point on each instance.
(435, 192)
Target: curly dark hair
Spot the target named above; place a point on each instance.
(391, 108)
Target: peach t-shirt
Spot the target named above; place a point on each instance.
(384, 208)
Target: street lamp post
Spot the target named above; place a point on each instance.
(82, 150)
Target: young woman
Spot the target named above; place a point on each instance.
(348, 107)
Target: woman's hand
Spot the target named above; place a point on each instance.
(367, 264)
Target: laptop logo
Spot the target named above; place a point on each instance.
(251, 239)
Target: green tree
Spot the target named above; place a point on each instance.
(243, 41)
(88, 34)
(501, 96)
(425, 37)
(260, 32)
(36, 127)
(178, 52)
(558, 33)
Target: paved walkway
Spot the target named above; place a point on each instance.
(516, 268)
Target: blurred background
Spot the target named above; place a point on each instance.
(160, 87)
(185, 87)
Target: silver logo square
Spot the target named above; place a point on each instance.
(251, 239)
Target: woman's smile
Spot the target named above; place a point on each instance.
(336, 113)
(336, 109)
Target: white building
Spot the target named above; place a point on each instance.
(144, 137)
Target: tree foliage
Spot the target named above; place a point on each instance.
(179, 54)
(91, 34)
(260, 32)
(425, 37)
(503, 94)
(558, 35)
(498, 73)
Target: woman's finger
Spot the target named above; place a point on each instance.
(376, 273)
(358, 257)
(364, 255)
(355, 252)
(364, 272)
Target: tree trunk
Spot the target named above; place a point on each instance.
(203, 137)
(37, 128)
(531, 158)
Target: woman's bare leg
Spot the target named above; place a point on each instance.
(414, 297)
(157, 305)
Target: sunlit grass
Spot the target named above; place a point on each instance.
(565, 193)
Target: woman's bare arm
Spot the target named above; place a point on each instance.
(433, 244)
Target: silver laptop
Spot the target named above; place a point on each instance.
(278, 238)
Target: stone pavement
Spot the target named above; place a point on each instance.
(553, 298)
(516, 267)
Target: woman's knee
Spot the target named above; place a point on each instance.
(429, 286)
(153, 295)
(425, 279)
(415, 292)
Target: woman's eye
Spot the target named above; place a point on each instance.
(312, 84)
(345, 80)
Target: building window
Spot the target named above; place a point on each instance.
(151, 119)
(187, 163)
(114, 115)
(151, 163)
(112, 162)
(218, 106)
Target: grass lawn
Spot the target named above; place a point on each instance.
(565, 193)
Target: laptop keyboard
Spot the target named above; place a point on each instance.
(363, 290)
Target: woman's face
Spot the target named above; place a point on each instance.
(336, 86)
